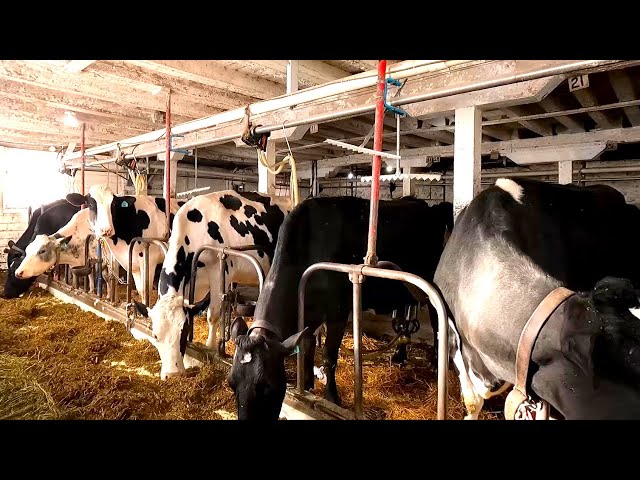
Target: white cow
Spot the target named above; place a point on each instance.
(225, 218)
(120, 218)
(66, 247)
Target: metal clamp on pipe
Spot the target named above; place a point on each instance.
(249, 135)
(387, 106)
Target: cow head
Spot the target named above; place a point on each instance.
(41, 255)
(98, 201)
(171, 318)
(596, 372)
(14, 287)
(257, 375)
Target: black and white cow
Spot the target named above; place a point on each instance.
(66, 246)
(226, 218)
(120, 218)
(411, 234)
(44, 221)
(511, 246)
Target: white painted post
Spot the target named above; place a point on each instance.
(565, 172)
(292, 76)
(466, 157)
(175, 157)
(408, 186)
(266, 179)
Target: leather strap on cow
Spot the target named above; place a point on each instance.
(267, 326)
(525, 347)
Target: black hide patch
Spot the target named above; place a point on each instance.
(272, 219)
(249, 211)
(128, 222)
(186, 240)
(230, 202)
(214, 231)
(194, 215)
(182, 273)
(256, 197)
(160, 203)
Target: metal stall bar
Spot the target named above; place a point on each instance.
(167, 163)
(371, 258)
(356, 272)
(146, 241)
(222, 255)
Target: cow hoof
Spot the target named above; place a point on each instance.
(399, 357)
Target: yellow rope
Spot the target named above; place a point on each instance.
(277, 167)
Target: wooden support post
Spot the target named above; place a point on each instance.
(565, 172)
(466, 157)
(408, 186)
(266, 179)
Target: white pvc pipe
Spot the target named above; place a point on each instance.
(337, 87)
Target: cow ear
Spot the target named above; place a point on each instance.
(238, 327)
(293, 341)
(142, 309)
(64, 241)
(11, 243)
(615, 292)
(76, 199)
(199, 306)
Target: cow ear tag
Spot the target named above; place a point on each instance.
(295, 350)
(124, 204)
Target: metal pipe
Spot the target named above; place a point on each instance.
(167, 162)
(231, 251)
(99, 269)
(398, 143)
(294, 99)
(84, 159)
(146, 279)
(311, 94)
(368, 271)
(370, 258)
(144, 240)
(222, 292)
(195, 182)
(356, 279)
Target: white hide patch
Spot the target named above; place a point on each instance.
(246, 358)
(511, 187)
(101, 193)
(635, 312)
(167, 319)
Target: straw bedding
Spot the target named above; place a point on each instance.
(58, 362)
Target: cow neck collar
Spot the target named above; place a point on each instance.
(266, 326)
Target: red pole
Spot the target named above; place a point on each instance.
(167, 164)
(371, 258)
(83, 160)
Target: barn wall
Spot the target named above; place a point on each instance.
(21, 189)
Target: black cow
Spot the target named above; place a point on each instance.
(45, 220)
(512, 245)
(332, 229)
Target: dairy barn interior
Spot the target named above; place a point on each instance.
(75, 342)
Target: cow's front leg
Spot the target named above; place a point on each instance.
(335, 332)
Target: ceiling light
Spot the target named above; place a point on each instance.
(70, 119)
(156, 90)
(389, 168)
(350, 176)
(52, 148)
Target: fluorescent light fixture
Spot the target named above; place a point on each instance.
(70, 119)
